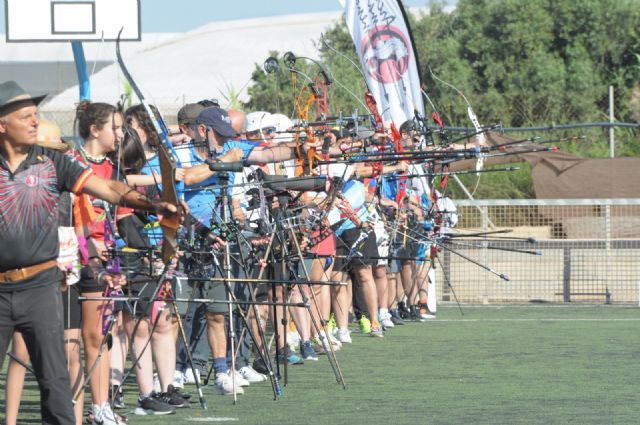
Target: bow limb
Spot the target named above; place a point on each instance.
(168, 165)
(303, 118)
(480, 138)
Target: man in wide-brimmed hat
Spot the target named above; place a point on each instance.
(31, 180)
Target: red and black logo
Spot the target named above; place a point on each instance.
(386, 52)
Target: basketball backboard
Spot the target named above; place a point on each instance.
(72, 20)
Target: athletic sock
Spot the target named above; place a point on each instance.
(219, 365)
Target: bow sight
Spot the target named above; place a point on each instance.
(271, 65)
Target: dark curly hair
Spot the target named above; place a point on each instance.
(140, 114)
(88, 114)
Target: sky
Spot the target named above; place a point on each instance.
(185, 15)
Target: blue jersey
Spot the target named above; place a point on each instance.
(389, 187)
(354, 191)
(201, 197)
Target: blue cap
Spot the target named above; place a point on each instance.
(217, 119)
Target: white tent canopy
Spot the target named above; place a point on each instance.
(205, 63)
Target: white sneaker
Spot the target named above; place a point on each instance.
(319, 340)
(427, 316)
(344, 336)
(103, 415)
(224, 385)
(189, 378)
(178, 379)
(251, 375)
(293, 340)
(241, 381)
(156, 383)
(333, 340)
(337, 345)
(385, 320)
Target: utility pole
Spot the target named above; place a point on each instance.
(611, 121)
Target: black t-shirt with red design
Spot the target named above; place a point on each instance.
(29, 200)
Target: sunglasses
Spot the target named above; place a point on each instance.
(268, 131)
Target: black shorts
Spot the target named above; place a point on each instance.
(361, 249)
(72, 311)
(140, 284)
(89, 277)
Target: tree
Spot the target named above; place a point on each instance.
(519, 62)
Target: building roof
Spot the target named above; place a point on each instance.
(205, 63)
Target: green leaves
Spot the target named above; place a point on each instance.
(519, 62)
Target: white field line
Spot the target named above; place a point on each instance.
(630, 319)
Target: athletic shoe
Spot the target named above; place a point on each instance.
(178, 379)
(397, 321)
(404, 311)
(385, 320)
(121, 419)
(307, 351)
(365, 324)
(331, 324)
(293, 340)
(344, 336)
(260, 367)
(322, 342)
(189, 378)
(240, 380)
(152, 406)
(427, 315)
(103, 415)
(415, 314)
(172, 397)
(252, 375)
(335, 342)
(224, 385)
(118, 398)
(376, 331)
(292, 358)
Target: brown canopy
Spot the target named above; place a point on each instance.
(558, 174)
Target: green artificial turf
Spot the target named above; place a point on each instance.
(494, 365)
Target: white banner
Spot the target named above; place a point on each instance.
(383, 44)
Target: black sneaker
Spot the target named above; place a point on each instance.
(404, 311)
(152, 406)
(260, 367)
(172, 397)
(186, 396)
(116, 395)
(415, 314)
(397, 321)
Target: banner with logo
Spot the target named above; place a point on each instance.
(384, 44)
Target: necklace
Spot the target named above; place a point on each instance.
(94, 159)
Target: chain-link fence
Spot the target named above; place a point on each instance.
(587, 250)
(64, 116)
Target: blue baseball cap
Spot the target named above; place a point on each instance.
(217, 119)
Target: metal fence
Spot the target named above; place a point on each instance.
(589, 251)
(64, 116)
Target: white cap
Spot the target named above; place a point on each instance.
(258, 120)
(282, 122)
